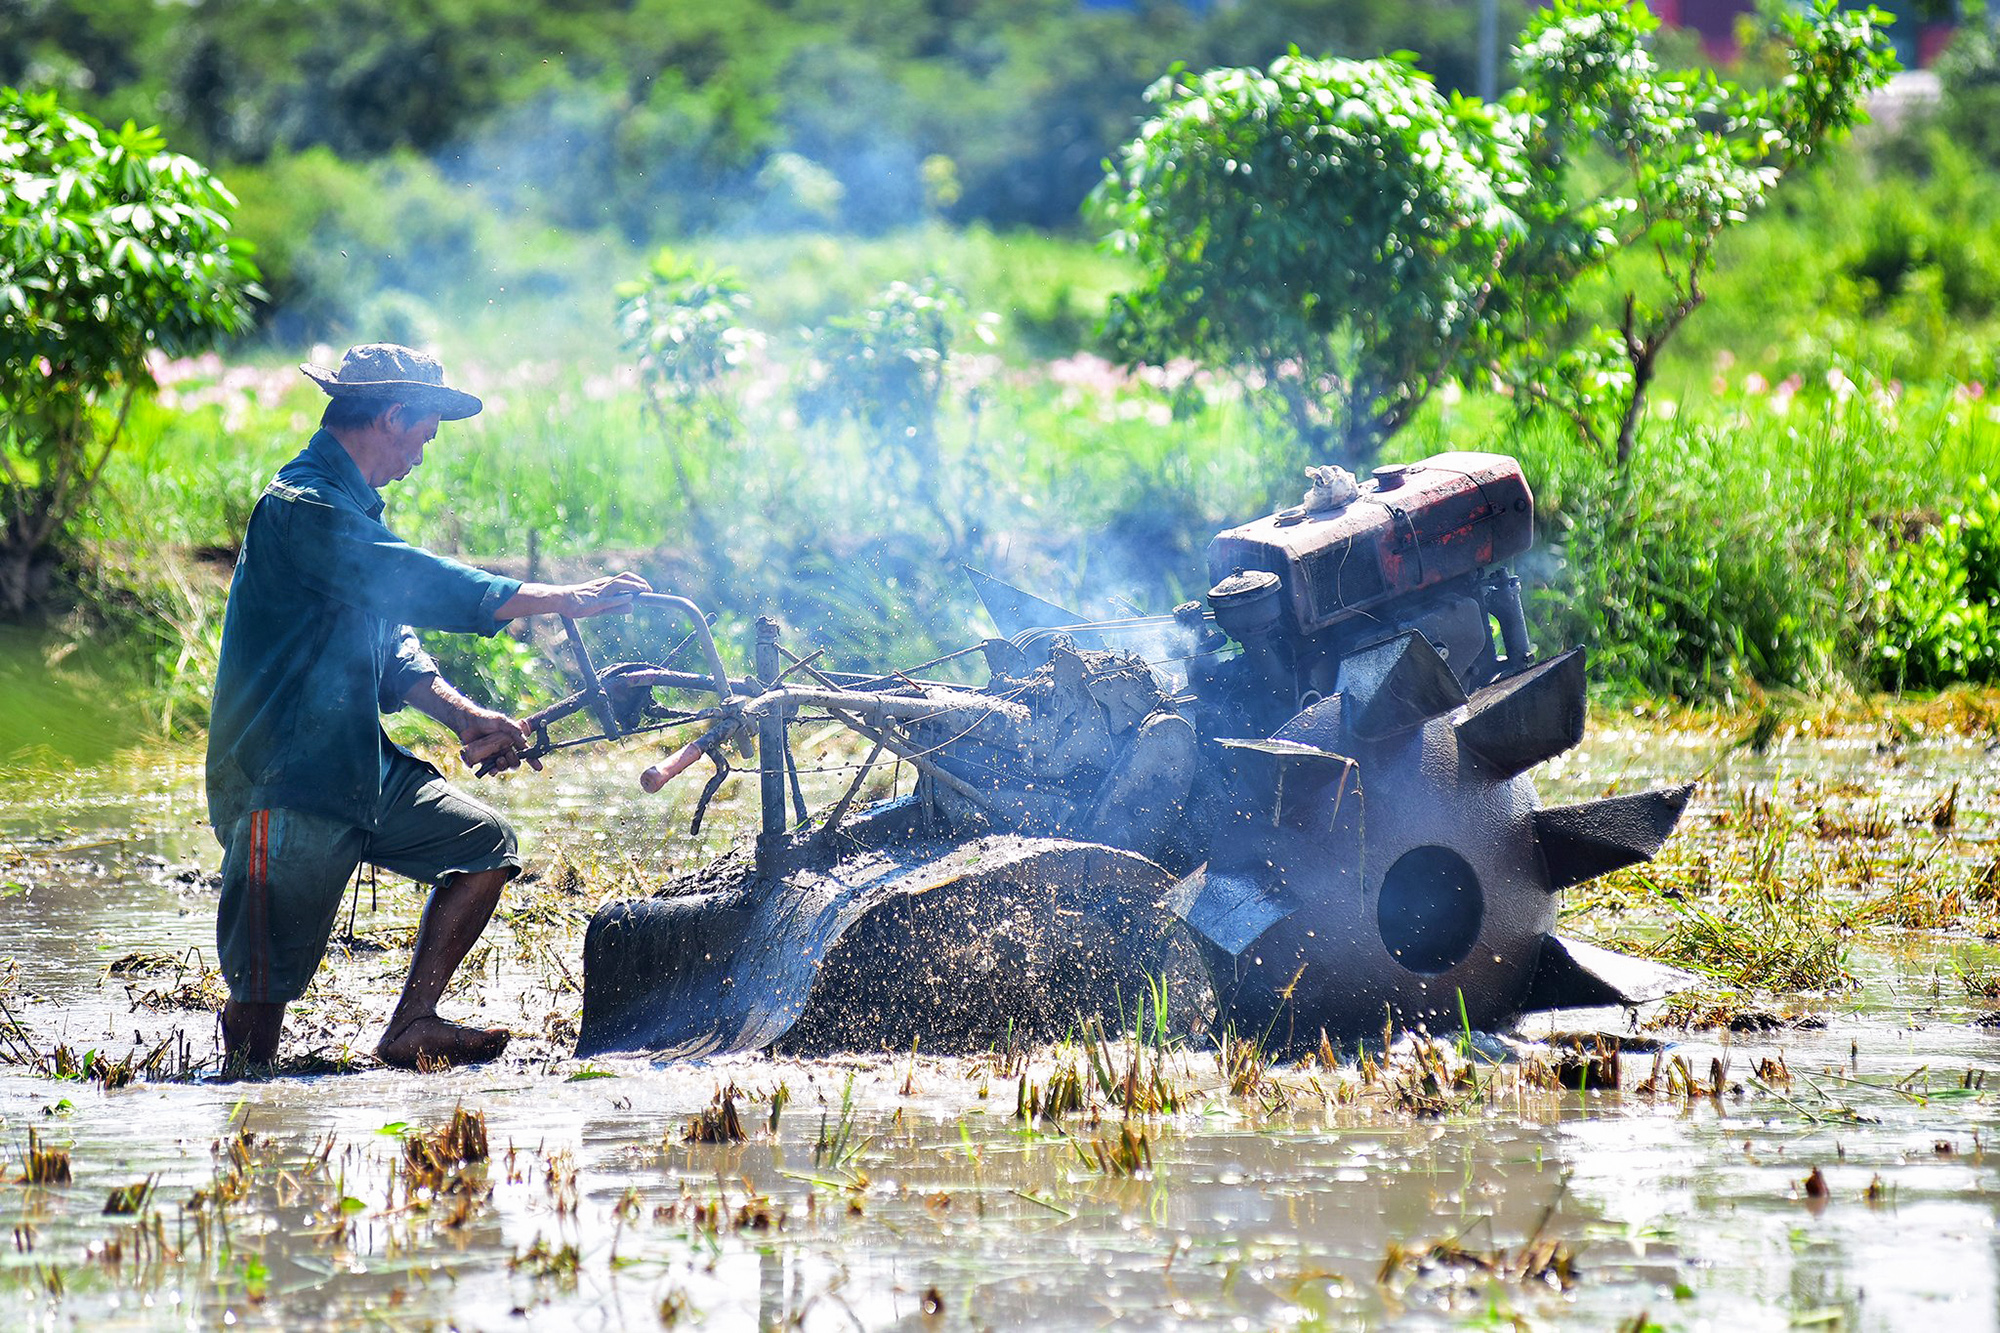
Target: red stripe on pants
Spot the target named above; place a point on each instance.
(260, 904)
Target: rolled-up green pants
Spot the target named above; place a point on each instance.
(284, 872)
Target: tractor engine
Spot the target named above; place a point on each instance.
(1416, 547)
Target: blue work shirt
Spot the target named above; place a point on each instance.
(317, 643)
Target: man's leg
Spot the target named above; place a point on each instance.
(436, 834)
(250, 1032)
(283, 875)
(457, 912)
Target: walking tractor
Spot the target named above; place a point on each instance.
(1303, 808)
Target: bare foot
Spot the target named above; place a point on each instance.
(432, 1042)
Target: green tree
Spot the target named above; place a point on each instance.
(683, 323)
(886, 370)
(1329, 228)
(1347, 238)
(1627, 158)
(110, 248)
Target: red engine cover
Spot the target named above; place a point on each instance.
(1408, 530)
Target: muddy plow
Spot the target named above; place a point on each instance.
(1302, 808)
(913, 942)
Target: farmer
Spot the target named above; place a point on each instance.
(303, 784)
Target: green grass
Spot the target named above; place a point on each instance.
(1746, 545)
(1743, 548)
(1049, 291)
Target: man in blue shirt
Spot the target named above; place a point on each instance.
(318, 641)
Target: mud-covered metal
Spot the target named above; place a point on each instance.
(905, 940)
(1526, 719)
(1405, 880)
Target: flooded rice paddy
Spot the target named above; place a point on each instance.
(1815, 1159)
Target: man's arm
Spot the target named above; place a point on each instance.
(487, 736)
(405, 669)
(342, 554)
(612, 593)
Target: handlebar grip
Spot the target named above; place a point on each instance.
(659, 775)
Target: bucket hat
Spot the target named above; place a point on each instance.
(394, 374)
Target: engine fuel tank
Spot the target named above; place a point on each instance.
(1411, 527)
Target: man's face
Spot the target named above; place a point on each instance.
(403, 446)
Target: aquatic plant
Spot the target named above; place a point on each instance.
(719, 1122)
(838, 1145)
(1243, 1062)
(1427, 1078)
(1772, 944)
(1139, 1071)
(44, 1163)
(1127, 1153)
(546, 1262)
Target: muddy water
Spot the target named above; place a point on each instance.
(927, 1203)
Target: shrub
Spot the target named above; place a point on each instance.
(1347, 238)
(110, 248)
(1329, 227)
(1936, 612)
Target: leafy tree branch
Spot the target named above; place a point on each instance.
(1344, 237)
(1688, 156)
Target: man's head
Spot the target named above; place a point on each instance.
(384, 405)
(386, 440)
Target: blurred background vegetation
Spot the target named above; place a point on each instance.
(393, 155)
(1805, 509)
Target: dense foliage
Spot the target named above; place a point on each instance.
(1935, 615)
(680, 324)
(1801, 507)
(1687, 156)
(111, 248)
(885, 370)
(1350, 237)
(658, 116)
(1331, 227)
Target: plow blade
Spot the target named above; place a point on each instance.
(1527, 719)
(1581, 842)
(1395, 686)
(1014, 610)
(1231, 909)
(957, 947)
(1573, 975)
